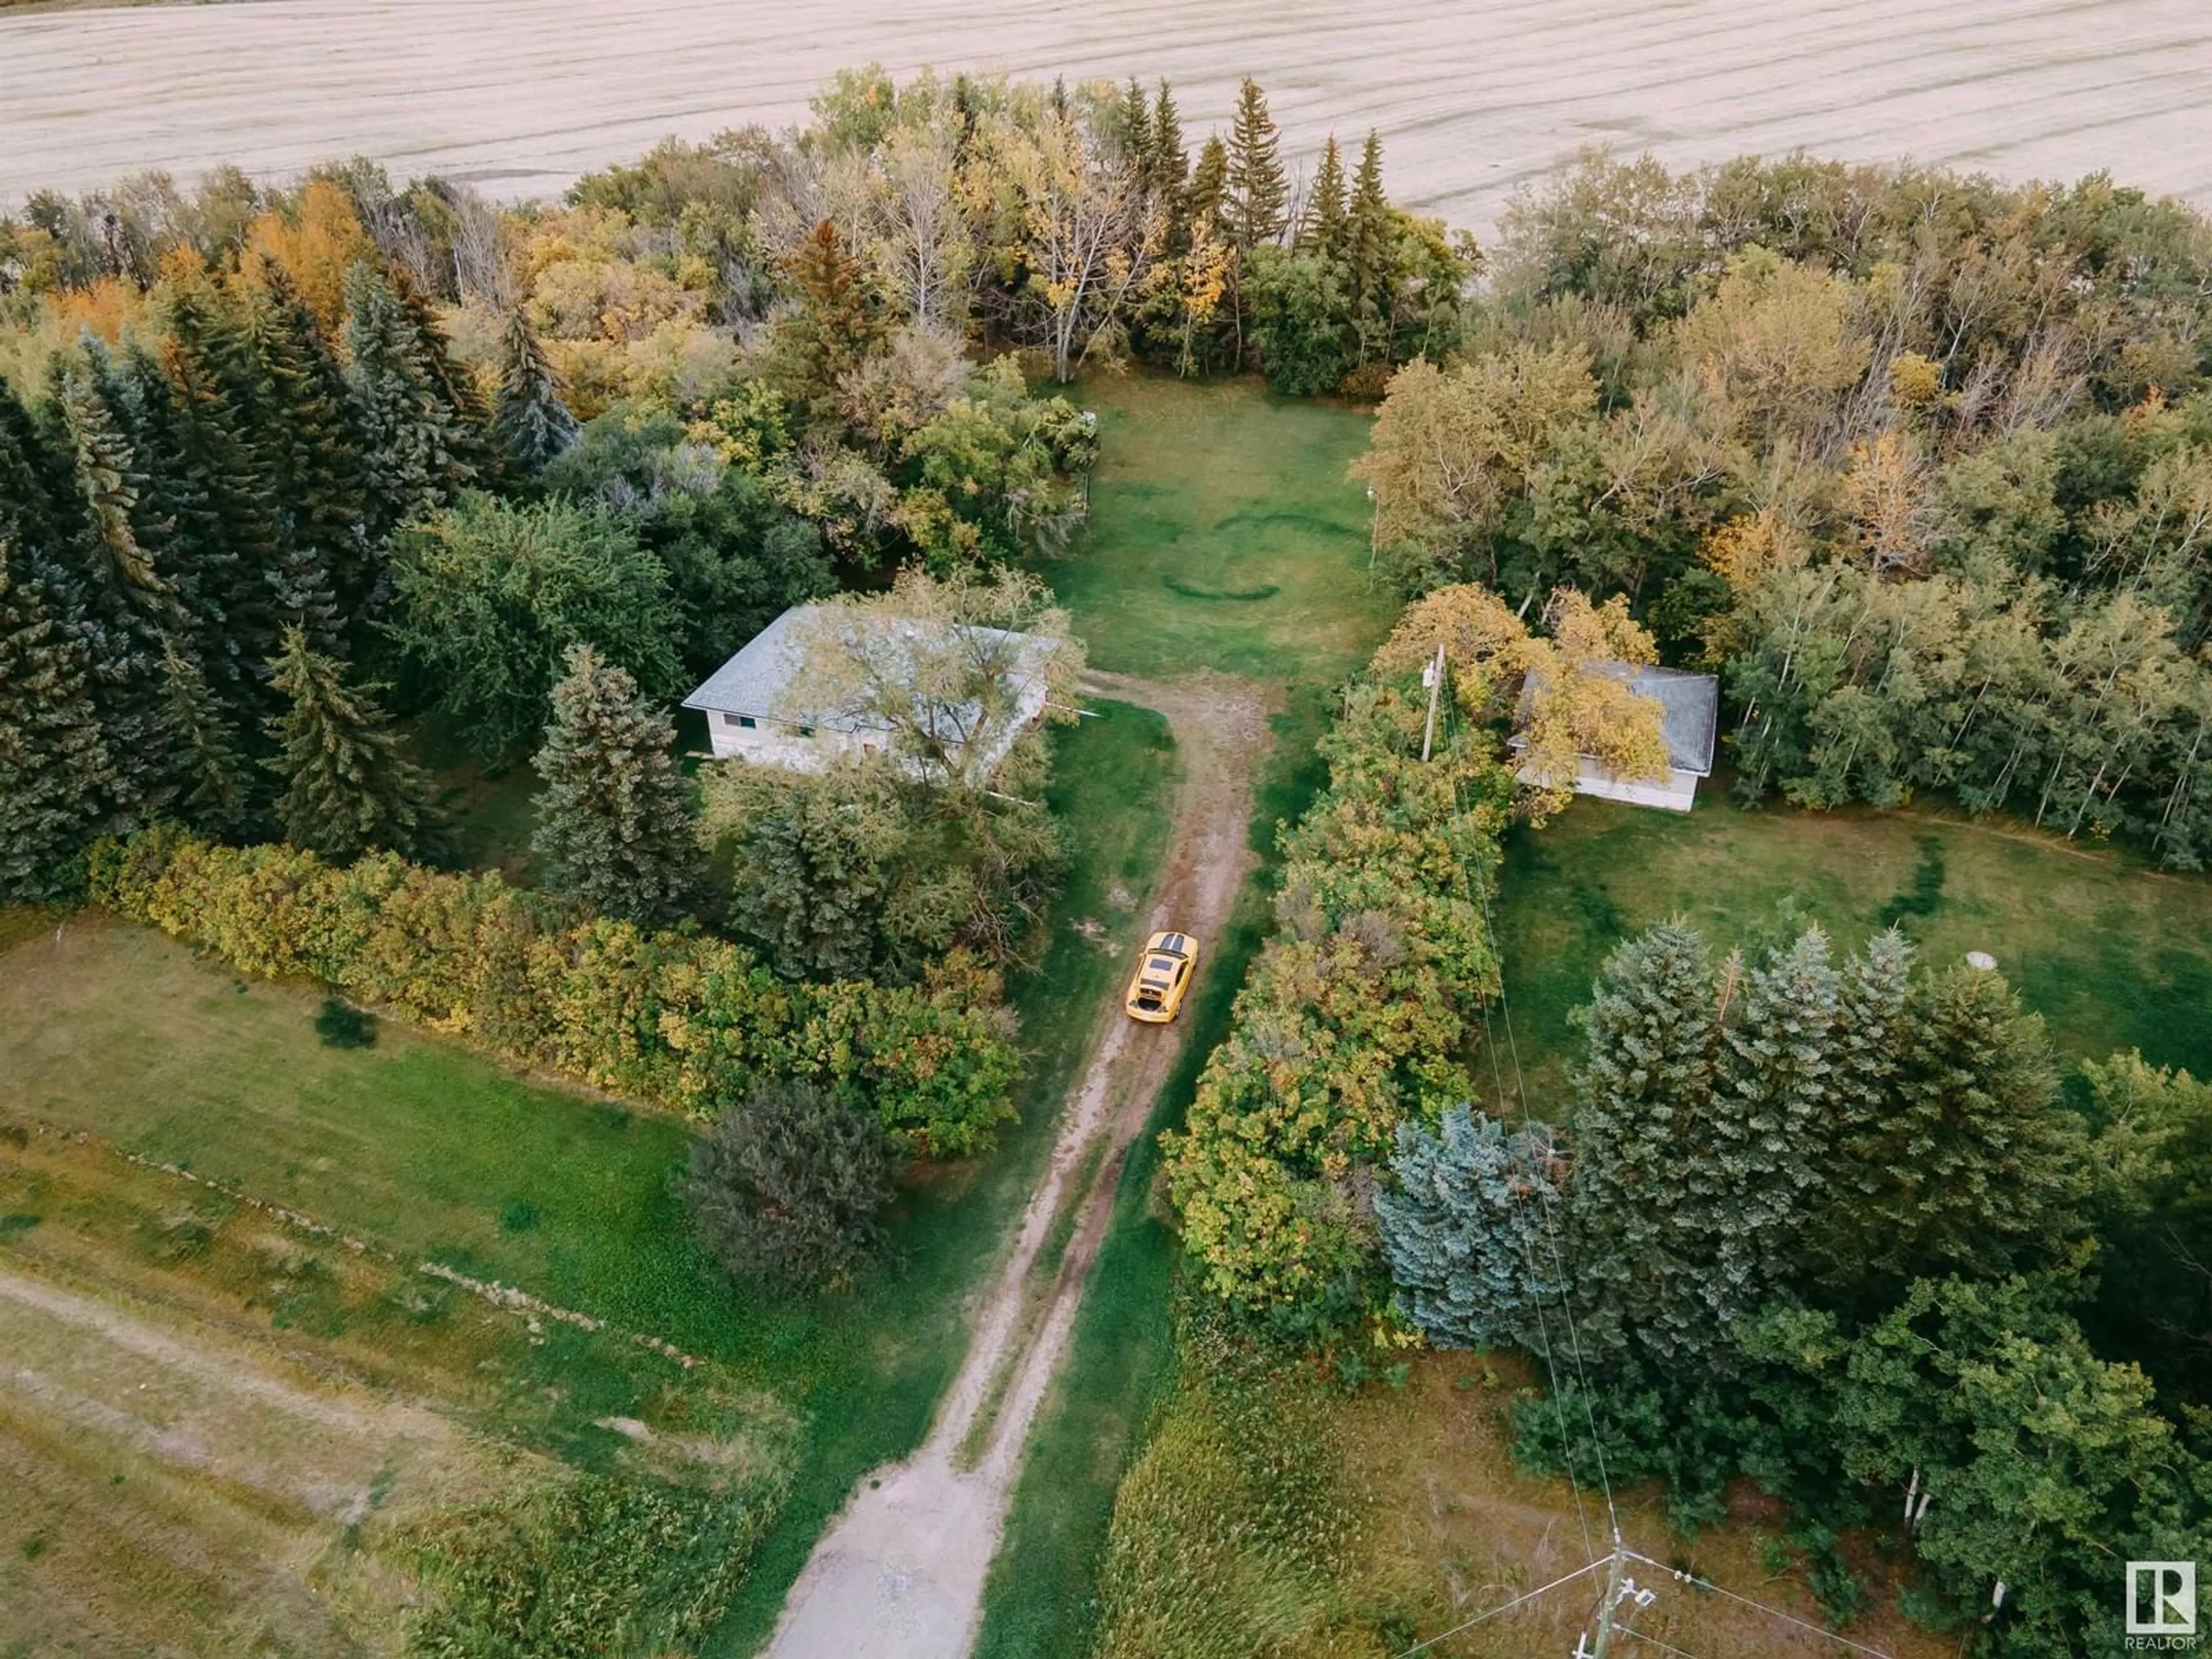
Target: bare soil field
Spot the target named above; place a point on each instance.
(177, 1477)
(522, 95)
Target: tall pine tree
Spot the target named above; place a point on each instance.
(1869, 1041)
(1981, 1168)
(1209, 182)
(299, 420)
(1771, 1104)
(1133, 131)
(1324, 229)
(1371, 277)
(1637, 1131)
(55, 771)
(117, 599)
(417, 449)
(618, 820)
(530, 419)
(214, 787)
(223, 549)
(347, 785)
(1253, 205)
(1167, 169)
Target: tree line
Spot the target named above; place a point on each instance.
(1917, 461)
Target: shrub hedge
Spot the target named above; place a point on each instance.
(677, 1020)
(1361, 1005)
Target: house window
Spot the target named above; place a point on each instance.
(746, 722)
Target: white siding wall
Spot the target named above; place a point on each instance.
(1677, 794)
(773, 743)
(770, 742)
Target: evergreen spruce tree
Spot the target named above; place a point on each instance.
(1771, 1106)
(457, 388)
(55, 772)
(1252, 207)
(1209, 182)
(1870, 1041)
(1369, 278)
(1132, 130)
(530, 419)
(222, 543)
(114, 488)
(416, 444)
(347, 785)
(1642, 1098)
(1981, 1168)
(298, 422)
(1325, 229)
(1167, 169)
(213, 785)
(618, 820)
(120, 604)
(1168, 165)
(1467, 1233)
(37, 508)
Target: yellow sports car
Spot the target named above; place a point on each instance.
(1156, 990)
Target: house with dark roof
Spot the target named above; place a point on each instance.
(763, 705)
(1690, 706)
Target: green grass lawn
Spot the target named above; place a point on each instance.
(2112, 955)
(418, 1145)
(1223, 535)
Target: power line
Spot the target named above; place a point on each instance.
(1453, 725)
(1621, 1551)
(1551, 1227)
(1772, 1613)
(1663, 1647)
(1543, 1330)
(1508, 1606)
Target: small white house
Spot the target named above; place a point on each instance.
(1690, 705)
(760, 708)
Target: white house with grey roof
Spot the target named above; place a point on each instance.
(760, 706)
(1690, 706)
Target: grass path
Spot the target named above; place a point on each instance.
(903, 1569)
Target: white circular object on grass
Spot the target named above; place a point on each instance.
(1981, 959)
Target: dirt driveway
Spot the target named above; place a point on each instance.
(901, 1570)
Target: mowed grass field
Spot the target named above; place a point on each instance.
(2112, 955)
(1225, 536)
(421, 1150)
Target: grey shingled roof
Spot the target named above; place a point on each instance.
(760, 679)
(1691, 705)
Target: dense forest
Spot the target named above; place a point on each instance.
(282, 465)
(1920, 462)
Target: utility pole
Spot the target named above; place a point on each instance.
(1611, 1599)
(1617, 1590)
(1436, 680)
